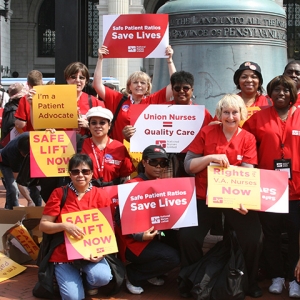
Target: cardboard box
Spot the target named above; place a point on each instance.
(33, 217)
(30, 218)
(8, 218)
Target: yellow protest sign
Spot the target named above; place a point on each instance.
(229, 187)
(54, 106)
(9, 268)
(251, 111)
(24, 238)
(50, 153)
(136, 157)
(99, 236)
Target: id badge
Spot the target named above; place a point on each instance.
(283, 165)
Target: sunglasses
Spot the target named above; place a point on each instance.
(102, 123)
(76, 172)
(185, 88)
(155, 163)
(75, 77)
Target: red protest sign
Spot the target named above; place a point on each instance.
(164, 204)
(136, 36)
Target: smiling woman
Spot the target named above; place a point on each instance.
(81, 195)
(276, 128)
(224, 144)
(112, 163)
(249, 80)
(138, 88)
(78, 74)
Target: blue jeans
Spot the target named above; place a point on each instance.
(70, 281)
(12, 191)
(35, 195)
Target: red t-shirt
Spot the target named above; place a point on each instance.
(260, 101)
(126, 241)
(297, 104)
(268, 130)
(117, 162)
(112, 99)
(23, 113)
(211, 140)
(23, 110)
(95, 198)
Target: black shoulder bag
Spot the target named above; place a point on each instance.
(44, 288)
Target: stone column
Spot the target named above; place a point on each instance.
(115, 67)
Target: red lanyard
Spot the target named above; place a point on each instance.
(101, 159)
(283, 127)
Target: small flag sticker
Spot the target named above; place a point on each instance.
(167, 124)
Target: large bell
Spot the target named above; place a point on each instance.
(212, 38)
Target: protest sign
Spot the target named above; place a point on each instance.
(164, 204)
(136, 157)
(9, 268)
(54, 106)
(173, 127)
(50, 153)
(256, 189)
(99, 238)
(136, 35)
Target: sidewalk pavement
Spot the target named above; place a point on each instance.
(20, 287)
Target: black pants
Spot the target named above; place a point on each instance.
(155, 260)
(273, 224)
(247, 228)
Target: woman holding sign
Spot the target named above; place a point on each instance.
(138, 87)
(81, 195)
(224, 144)
(149, 257)
(112, 163)
(77, 73)
(277, 131)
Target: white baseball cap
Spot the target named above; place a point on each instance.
(100, 111)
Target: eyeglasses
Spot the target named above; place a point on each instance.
(155, 163)
(185, 88)
(76, 172)
(102, 123)
(74, 77)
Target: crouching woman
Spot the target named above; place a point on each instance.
(81, 195)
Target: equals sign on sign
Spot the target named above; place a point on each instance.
(167, 124)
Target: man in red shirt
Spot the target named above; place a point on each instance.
(22, 115)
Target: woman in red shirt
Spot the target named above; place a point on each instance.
(77, 73)
(81, 196)
(225, 144)
(249, 80)
(149, 258)
(112, 163)
(138, 87)
(277, 131)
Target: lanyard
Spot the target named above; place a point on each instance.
(283, 127)
(102, 159)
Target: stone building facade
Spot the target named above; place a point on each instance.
(20, 40)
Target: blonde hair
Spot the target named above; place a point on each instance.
(139, 75)
(232, 101)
